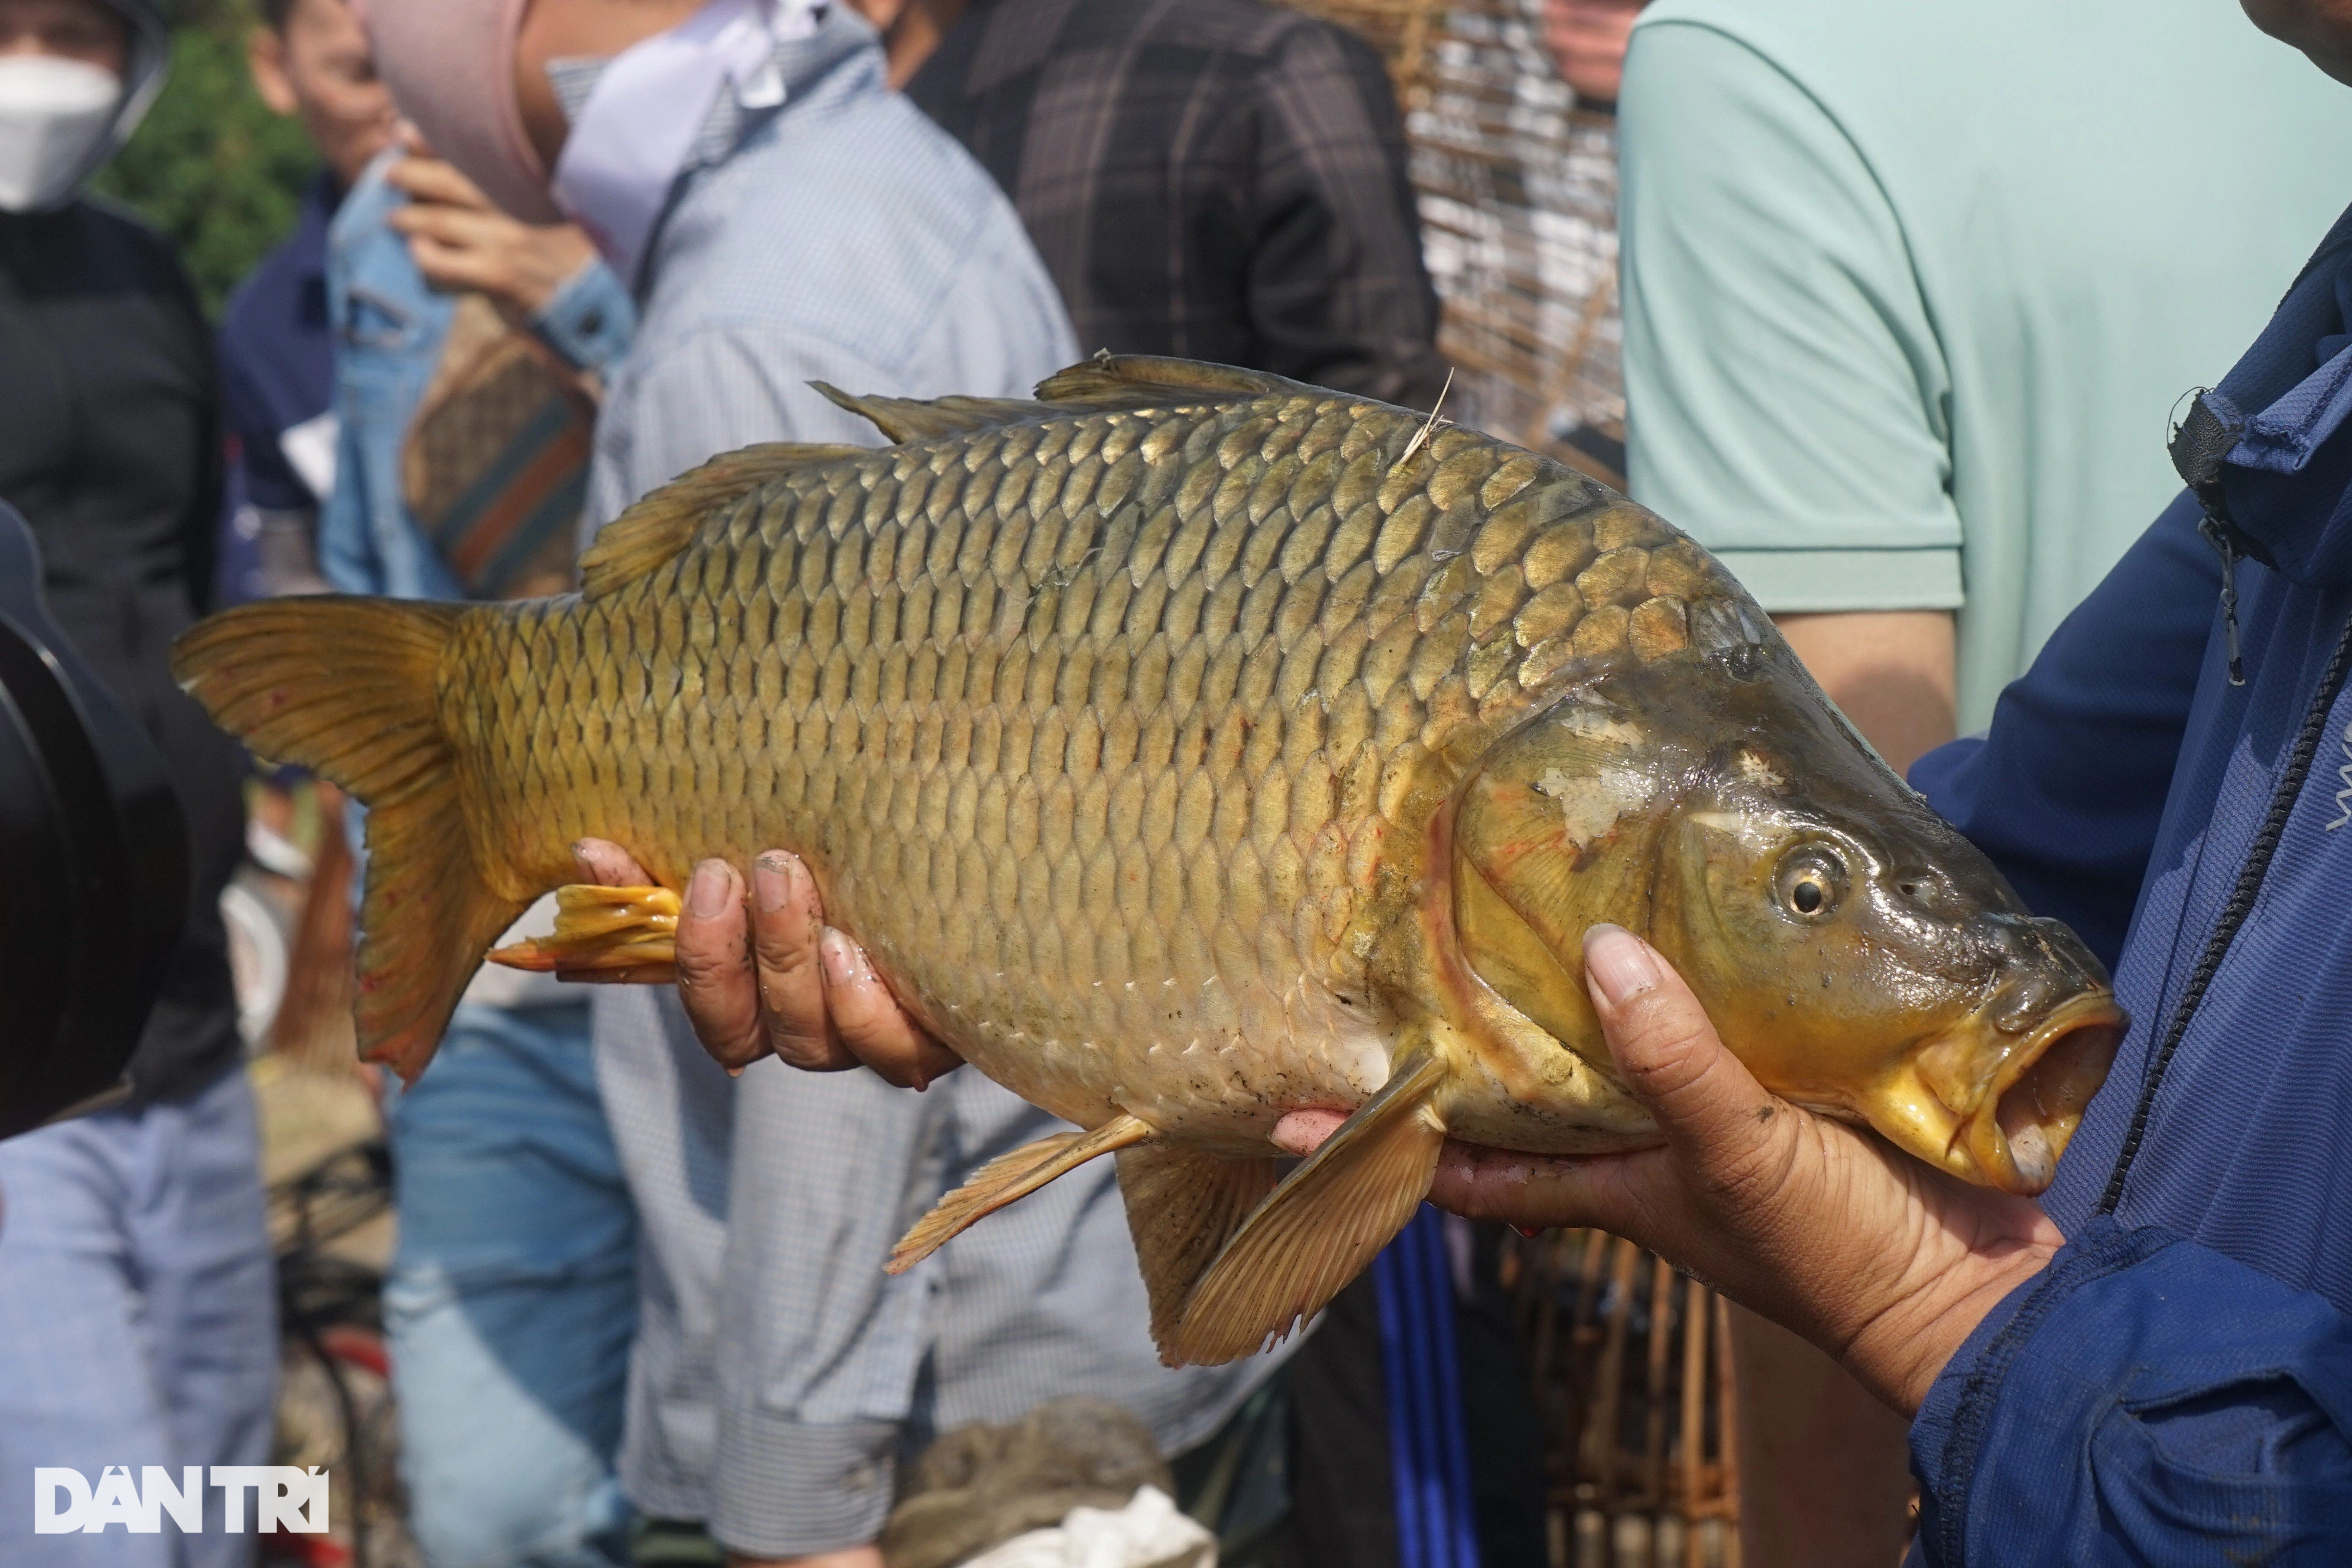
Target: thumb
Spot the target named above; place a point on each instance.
(1708, 1105)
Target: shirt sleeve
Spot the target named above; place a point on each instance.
(2143, 1400)
(824, 1349)
(1339, 295)
(590, 321)
(1786, 395)
(347, 556)
(2116, 682)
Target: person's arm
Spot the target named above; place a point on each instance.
(2143, 1400)
(2066, 791)
(831, 1344)
(1889, 672)
(589, 321)
(1337, 293)
(2118, 1397)
(347, 555)
(201, 524)
(545, 275)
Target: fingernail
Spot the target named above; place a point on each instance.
(840, 956)
(1618, 963)
(773, 878)
(1530, 1231)
(707, 893)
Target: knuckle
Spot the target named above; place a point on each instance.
(1744, 1178)
(706, 967)
(808, 1052)
(784, 953)
(1665, 1059)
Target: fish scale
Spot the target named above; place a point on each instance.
(1187, 748)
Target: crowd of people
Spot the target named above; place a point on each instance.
(1912, 297)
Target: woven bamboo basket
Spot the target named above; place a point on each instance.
(1633, 1376)
(1518, 184)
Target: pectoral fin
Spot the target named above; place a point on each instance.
(1007, 1177)
(1320, 1228)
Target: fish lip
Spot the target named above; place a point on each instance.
(2062, 1062)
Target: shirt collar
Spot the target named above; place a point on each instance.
(2288, 475)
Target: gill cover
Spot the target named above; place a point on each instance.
(1554, 832)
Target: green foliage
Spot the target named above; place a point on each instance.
(212, 167)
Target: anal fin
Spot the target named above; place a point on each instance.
(1320, 1228)
(1182, 1208)
(603, 933)
(1006, 1178)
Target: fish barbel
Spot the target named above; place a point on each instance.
(1187, 747)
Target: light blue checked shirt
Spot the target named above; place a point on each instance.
(779, 1373)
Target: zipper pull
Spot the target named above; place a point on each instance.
(2217, 536)
(2198, 446)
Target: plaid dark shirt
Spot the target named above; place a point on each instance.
(1219, 179)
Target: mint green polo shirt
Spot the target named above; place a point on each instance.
(1911, 285)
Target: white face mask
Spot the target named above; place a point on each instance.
(55, 117)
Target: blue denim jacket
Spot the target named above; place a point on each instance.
(389, 327)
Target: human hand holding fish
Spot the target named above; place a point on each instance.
(1884, 1263)
(1881, 1260)
(763, 974)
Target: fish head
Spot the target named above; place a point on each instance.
(1860, 955)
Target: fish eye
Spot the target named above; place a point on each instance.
(1811, 880)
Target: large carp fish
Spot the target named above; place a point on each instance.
(1187, 747)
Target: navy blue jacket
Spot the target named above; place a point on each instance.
(277, 375)
(277, 353)
(2177, 1387)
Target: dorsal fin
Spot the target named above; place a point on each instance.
(919, 419)
(1148, 380)
(666, 522)
(1107, 381)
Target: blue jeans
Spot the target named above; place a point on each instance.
(513, 1297)
(138, 1317)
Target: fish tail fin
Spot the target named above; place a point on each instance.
(1319, 1229)
(1007, 1177)
(349, 688)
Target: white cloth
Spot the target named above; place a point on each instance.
(1147, 1534)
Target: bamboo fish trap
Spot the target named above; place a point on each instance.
(1517, 185)
(1634, 1383)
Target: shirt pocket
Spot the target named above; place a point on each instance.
(374, 320)
(2253, 1469)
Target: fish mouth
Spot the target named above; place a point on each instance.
(1998, 1107)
